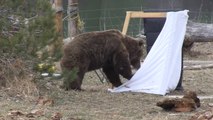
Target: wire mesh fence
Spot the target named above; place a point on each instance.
(99, 15)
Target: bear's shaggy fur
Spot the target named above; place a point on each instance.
(110, 50)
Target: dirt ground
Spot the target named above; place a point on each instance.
(96, 103)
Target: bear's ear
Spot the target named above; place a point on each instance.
(141, 41)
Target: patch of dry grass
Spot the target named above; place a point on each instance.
(17, 77)
(96, 103)
(22, 88)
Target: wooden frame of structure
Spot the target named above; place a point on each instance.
(140, 14)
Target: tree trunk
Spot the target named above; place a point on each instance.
(55, 47)
(58, 16)
(73, 18)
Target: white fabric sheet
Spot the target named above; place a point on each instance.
(161, 69)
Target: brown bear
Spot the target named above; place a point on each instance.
(110, 50)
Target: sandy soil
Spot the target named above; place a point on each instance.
(96, 103)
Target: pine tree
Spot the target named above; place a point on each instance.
(26, 26)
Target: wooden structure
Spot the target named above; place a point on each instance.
(140, 14)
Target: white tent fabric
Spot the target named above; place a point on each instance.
(161, 69)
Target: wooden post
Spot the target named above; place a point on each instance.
(126, 22)
(58, 16)
(73, 18)
(57, 6)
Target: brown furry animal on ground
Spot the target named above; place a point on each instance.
(110, 50)
(189, 102)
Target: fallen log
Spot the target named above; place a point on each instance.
(199, 32)
(198, 67)
(196, 62)
(195, 32)
(200, 97)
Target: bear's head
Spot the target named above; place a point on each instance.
(134, 47)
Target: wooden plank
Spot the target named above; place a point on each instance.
(141, 14)
(126, 23)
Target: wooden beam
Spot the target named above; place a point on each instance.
(126, 23)
(140, 14)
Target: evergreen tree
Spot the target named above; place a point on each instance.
(26, 26)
